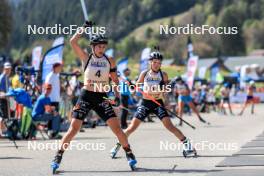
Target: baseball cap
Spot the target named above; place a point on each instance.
(7, 65)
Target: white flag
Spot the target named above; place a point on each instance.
(144, 59)
(202, 72)
(36, 57)
(58, 41)
(191, 69)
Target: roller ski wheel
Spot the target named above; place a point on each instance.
(114, 151)
(189, 153)
(132, 164)
(188, 149)
(131, 160)
(55, 164)
(54, 167)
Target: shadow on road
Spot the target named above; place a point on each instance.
(90, 138)
(14, 158)
(180, 156)
(173, 170)
(11, 146)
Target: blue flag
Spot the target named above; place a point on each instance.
(52, 56)
(214, 72)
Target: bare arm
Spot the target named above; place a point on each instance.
(76, 47)
(140, 80)
(114, 77)
(166, 82)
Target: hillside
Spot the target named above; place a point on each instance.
(247, 16)
(140, 32)
(132, 25)
(119, 17)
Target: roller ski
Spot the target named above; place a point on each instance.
(188, 150)
(131, 160)
(114, 150)
(55, 164)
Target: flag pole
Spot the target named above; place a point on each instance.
(84, 10)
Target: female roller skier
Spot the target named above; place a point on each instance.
(97, 69)
(154, 83)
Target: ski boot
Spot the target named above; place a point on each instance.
(188, 149)
(131, 159)
(55, 164)
(114, 150)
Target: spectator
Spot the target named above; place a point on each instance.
(225, 94)
(4, 86)
(53, 78)
(15, 82)
(250, 97)
(217, 94)
(75, 86)
(210, 98)
(44, 111)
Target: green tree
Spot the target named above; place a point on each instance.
(254, 35)
(233, 16)
(148, 32)
(119, 17)
(129, 46)
(5, 24)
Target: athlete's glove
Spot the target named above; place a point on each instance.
(88, 24)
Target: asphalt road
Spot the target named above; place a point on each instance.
(158, 152)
